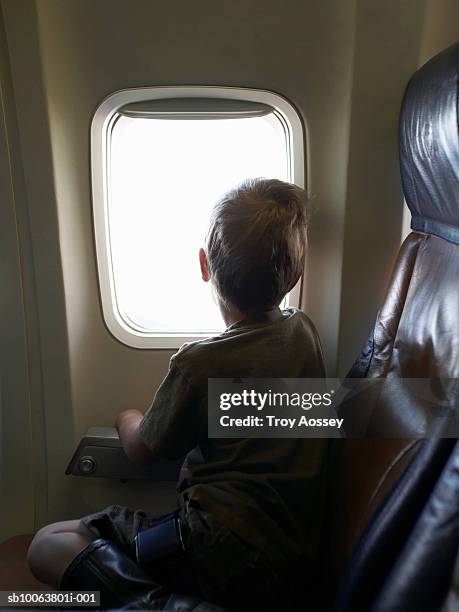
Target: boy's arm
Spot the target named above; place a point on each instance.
(175, 421)
(171, 426)
(127, 424)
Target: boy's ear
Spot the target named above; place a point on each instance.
(204, 267)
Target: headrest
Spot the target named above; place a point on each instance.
(429, 146)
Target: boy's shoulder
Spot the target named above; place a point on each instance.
(247, 338)
(197, 350)
(298, 315)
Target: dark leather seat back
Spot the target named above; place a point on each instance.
(417, 331)
(421, 576)
(416, 335)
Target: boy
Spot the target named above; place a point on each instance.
(248, 508)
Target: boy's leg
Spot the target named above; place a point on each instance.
(53, 549)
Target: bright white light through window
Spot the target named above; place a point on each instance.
(164, 177)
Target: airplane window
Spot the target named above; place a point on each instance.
(166, 165)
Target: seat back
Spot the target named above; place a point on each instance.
(417, 330)
(379, 485)
(420, 577)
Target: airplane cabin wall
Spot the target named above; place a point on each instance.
(17, 473)
(343, 65)
(441, 28)
(387, 46)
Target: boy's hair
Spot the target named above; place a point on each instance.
(256, 243)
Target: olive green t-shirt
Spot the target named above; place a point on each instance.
(267, 491)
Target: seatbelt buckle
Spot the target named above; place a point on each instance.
(161, 542)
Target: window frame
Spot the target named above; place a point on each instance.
(102, 124)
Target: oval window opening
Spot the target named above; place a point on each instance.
(166, 163)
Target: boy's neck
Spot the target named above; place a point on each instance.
(230, 314)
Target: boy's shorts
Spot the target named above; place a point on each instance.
(217, 565)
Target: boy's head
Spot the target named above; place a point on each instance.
(256, 244)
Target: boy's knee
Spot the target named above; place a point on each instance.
(36, 554)
(53, 548)
(43, 532)
(38, 543)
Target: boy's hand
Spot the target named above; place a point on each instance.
(127, 424)
(127, 415)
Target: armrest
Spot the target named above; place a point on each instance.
(100, 455)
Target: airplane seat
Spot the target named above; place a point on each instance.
(451, 602)
(380, 486)
(422, 577)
